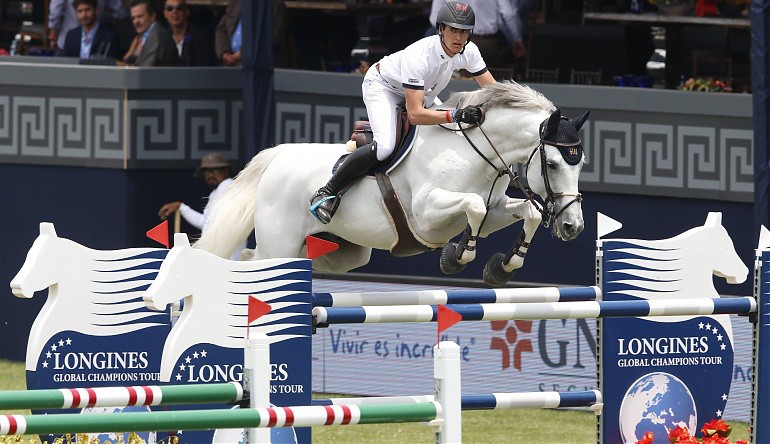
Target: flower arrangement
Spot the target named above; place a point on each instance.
(707, 84)
(715, 431)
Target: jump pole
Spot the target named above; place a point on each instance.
(324, 316)
(591, 399)
(444, 297)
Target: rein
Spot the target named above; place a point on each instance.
(547, 208)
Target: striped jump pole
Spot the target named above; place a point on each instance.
(302, 416)
(78, 398)
(475, 296)
(548, 310)
(488, 401)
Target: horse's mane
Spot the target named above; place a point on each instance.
(505, 94)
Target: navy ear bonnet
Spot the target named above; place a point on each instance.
(562, 133)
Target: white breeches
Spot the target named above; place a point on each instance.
(381, 101)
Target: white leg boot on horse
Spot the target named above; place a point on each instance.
(325, 201)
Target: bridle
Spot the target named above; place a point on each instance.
(548, 208)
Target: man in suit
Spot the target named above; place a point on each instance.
(153, 44)
(195, 47)
(228, 35)
(90, 39)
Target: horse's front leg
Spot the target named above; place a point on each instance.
(441, 208)
(501, 267)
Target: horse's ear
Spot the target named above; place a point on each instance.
(552, 127)
(46, 228)
(714, 219)
(579, 121)
(181, 240)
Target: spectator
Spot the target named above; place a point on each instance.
(216, 172)
(62, 17)
(494, 21)
(90, 39)
(153, 44)
(195, 48)
(228, 35)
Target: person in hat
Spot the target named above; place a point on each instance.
(215, 171)
(413, 77)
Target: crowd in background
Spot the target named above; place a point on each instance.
(144, 32)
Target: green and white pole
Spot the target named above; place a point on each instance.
(302, 416)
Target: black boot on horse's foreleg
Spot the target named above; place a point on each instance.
(453, 252)
(325, 201)
(495, 273)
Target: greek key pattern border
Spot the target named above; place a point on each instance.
(623, 156)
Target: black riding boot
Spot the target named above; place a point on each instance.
(325, 201)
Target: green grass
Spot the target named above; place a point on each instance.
(530, 426)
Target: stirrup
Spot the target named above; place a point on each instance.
(327, 204)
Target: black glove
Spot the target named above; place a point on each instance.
(469, 114)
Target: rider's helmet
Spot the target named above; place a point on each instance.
(458, 15)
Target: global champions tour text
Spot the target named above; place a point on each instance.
(640, 347)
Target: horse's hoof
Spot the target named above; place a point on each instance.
(494, 274)
(449, 263)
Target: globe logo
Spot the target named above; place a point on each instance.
(656, 402)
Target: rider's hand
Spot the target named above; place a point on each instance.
(469, 114)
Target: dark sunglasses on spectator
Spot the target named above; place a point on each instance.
(178, 7)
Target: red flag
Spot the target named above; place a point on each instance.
(317, 247)
(159, 233)
(257, 309)
(447, 318)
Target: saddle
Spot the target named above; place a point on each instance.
(406, 243)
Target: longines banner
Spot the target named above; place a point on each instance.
(95, 329)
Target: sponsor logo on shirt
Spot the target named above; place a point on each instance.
(413, 81)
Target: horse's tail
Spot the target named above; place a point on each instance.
(232, 215)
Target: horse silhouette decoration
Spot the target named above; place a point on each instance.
(216, 292)
(443, 185)
(92, 292)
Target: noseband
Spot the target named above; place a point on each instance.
(548, 208)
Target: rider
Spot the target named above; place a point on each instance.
(415, 76)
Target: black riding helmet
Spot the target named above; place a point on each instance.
(458, 15)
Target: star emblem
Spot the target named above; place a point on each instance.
(714, 330)
(187, 360)
(723, 347)
(45, 364)
(48, 355)
(69, 341)
(178, 377)
(719, 413)
(61, 343)
(195, 355)
(182, 367)
(724, 396)
(719, 337)
(708, 326)
(700, 326)
(203, 353)
(53, 347)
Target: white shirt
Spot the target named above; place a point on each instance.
(424, 65)
(201, 220)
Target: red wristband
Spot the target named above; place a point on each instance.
(448, 117)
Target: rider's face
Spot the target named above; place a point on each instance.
(454, 39)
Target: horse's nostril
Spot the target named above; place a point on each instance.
(569, 229)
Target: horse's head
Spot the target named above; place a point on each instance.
(172, 282)
(553, 171)
(726, 262)
(41, 266)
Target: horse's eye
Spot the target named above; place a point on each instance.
(551, 165)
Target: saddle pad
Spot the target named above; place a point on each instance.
(391, 162)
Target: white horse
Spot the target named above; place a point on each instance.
(89, 291)
(216, 291)
(443, 184)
